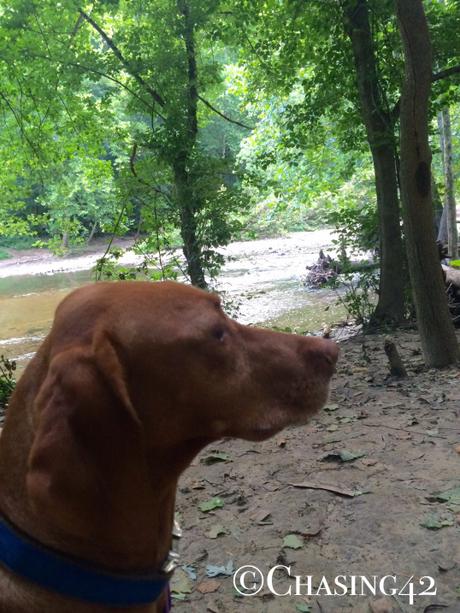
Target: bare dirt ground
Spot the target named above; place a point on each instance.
(387, 449)
(385, 512)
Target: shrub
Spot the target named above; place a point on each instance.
(7, 381)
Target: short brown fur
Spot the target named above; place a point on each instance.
(133, 380)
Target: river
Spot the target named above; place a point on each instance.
(261, 281)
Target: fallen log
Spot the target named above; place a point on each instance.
(451, 276)
(452, 280)
(326, 269)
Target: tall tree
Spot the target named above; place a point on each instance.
(342, 53)
(437, 333)
(331, 50)
(450, 216)
(176, 107)
(149, 70)
(379, 121)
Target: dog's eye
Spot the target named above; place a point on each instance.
(219, 333)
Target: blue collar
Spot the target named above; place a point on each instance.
(55, 572)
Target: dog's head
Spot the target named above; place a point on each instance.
(139, 372)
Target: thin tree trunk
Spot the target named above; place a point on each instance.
(188, 226)
(437, 333)
(187, 198)
(138, 228)
(380, 134)
(391, 305)
(449, 200)
(442, 231)
(437, 206)
(92, 232)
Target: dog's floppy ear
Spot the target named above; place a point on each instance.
(85, 426)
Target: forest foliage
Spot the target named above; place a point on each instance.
(193, 122)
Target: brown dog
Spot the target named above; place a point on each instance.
(132, 381)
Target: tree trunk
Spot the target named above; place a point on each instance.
(380, 134)
(188, 227)
(442, 231)
(437, 206)
(437, 333)
(449, 200)
(391, 304)
(92, 232)
(186, 196)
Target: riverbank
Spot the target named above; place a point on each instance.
(41, 261)
(261, 282)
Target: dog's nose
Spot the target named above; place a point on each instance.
(320, 353)
(331, 351)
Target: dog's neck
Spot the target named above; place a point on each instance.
(132, 535)
(145, 548)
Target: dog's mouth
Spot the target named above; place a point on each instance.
(262, 433)
(271, 421)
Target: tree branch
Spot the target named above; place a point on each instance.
(155, 95)
(85, 67)
(19, 121)
(229, 119)
(132, 159)
(437, 76)
(443, 74)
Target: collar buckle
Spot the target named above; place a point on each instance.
(172, 561)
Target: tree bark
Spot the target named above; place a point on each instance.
(65, 240)
(437, 206)
(442, 230)
(92, 232)
(449, 200)
(436, 330)
(187, 199)
(188, 227)
(379, 125)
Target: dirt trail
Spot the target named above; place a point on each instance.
(409, 434)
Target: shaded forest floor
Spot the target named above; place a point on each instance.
(399, 443)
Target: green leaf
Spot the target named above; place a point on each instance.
(292, 541)
(452, 496)
(180, 585)
(210, 505)
(342, 456)
(214, 457)
(303, 608)
(436, 522)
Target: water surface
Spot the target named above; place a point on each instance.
(261, 281)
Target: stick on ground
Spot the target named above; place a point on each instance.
(397, 368)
